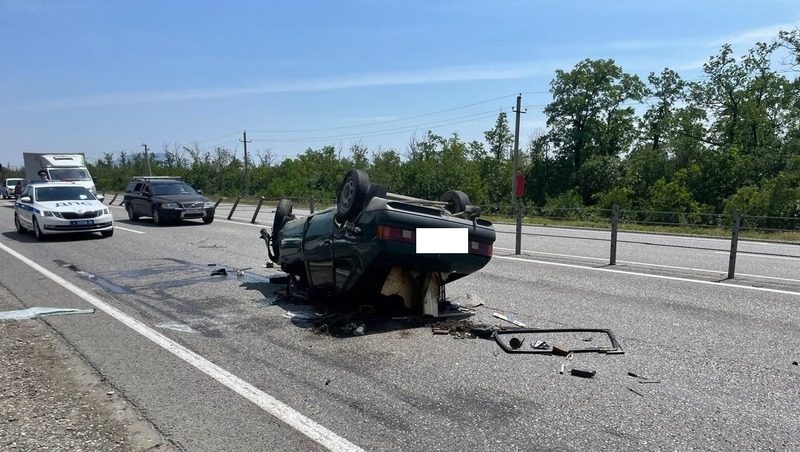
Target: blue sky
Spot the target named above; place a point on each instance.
(102, 76)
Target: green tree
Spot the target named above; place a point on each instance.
(590, 112)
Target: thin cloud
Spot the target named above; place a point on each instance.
(430, 76)
(750, 37)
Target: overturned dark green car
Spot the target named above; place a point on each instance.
(376, 244)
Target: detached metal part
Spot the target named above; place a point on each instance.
(614, 349)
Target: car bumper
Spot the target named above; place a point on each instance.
(52, 225)
(186, 214)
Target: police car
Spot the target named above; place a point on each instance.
(61, 207)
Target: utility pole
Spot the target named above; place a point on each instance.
(147, 160)
(246, 173)
(514, 197)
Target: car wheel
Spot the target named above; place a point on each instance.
(156, 218)
(283, 213)
(208, 220)
(457, 201)
(20, 228)
(352, 195)
(37, 232)
(131, 215)
(108, 233)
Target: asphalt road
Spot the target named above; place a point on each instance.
(215, 363)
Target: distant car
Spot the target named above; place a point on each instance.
(48, 208)
(7, 189)
(367, 245)
(166, 200)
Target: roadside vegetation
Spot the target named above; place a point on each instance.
(693, 149)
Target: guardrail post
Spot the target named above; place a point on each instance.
(311, 204)
(113, 199)
(235, 203)
(258, 207)
(216, 204)
(734, 244)
(614, 228)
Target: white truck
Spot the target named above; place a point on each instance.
(64, 167)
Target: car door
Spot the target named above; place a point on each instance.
(141, 200)
(25, 209)
(318, 251)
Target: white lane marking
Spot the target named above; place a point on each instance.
(266, 402)
(671, 278)
(553, 254)
(763, 256)
(129, 230)
(645, 264)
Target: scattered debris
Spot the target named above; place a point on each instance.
(560, 349)
(635, 392)
(219, 272)
(436, 330)
(509, 319)
(327, 382)
(582, 373)
(36, 312)
(359, 330)
(561, 371)
(540, 345)
(794, 363)
(556, 348)
(642, 379)
(516, 343)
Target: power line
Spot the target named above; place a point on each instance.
(388, 121)
(393, 131)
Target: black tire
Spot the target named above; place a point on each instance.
(37, 232)
(131, 216)
(108, 233)
(208, 220)
(283, 213)
(157, 218)
(352, 195)
(20, 228)
(457, 201)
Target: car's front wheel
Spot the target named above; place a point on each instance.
(108, 233)
(208, 220)
(156, 217)
(131, 216)
(37, 231)
(20, 228)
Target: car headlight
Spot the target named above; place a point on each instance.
(48, 213)
(208, 205)
(105, 212)
(169, 205)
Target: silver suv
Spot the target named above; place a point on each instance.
(7, 190)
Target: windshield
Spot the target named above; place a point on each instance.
(76, 193)
(69, 174)
(173, 189)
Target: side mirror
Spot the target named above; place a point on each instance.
(100, 197)
(25, 199)
(200, 191)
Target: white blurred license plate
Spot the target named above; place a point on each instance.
(442, 240)
(193, 211)
(81, 222)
